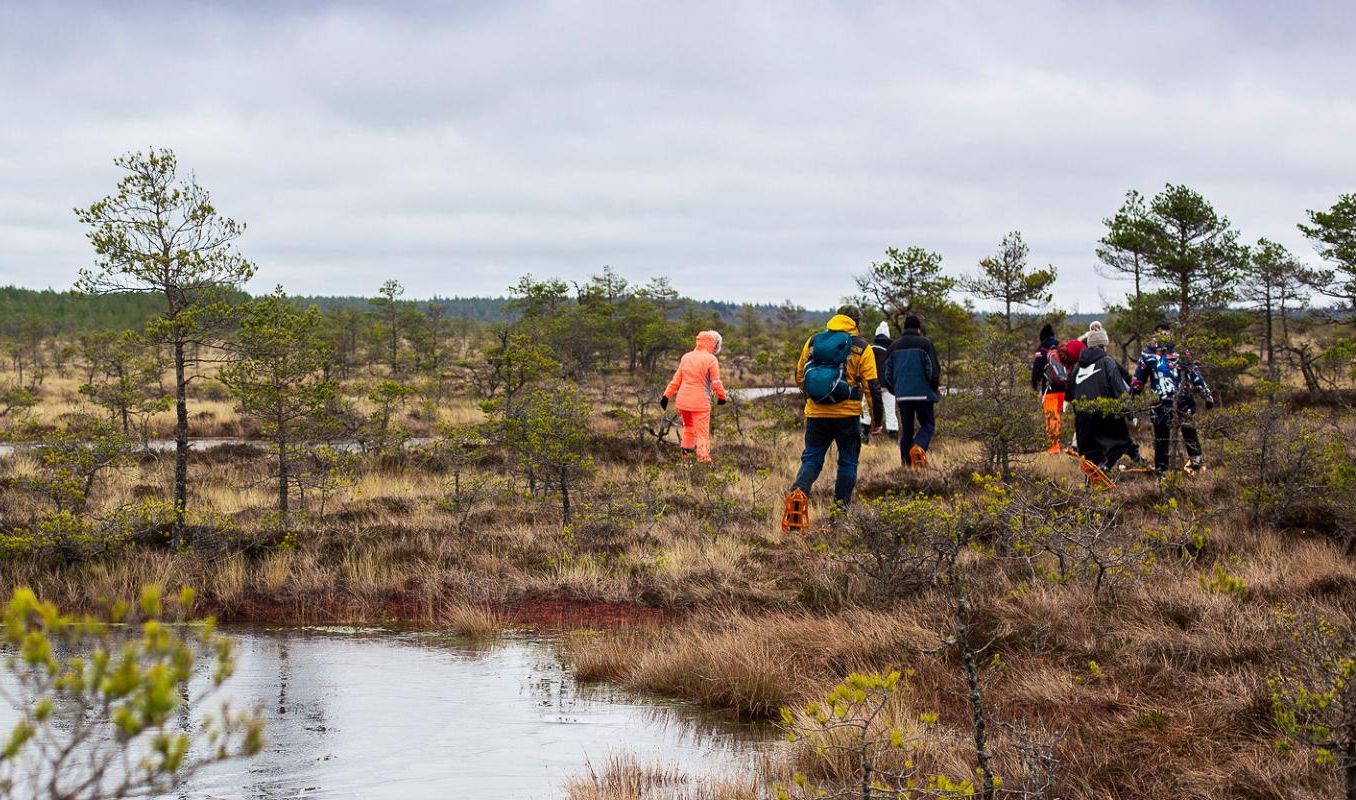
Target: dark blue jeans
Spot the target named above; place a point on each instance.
(820, 432)
(926, 416)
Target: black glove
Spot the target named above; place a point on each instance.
(1209, 404)
(720, 401)
(664, 402)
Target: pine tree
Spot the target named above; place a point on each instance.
(1333, 233)
(908, 281)
(1124, 251)
(159, 233)
(279, 378)
(1004, 278)
(1195, 251)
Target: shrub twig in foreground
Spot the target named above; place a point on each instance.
(100, 705)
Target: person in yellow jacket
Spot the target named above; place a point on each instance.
(837, 374)
(695, 382)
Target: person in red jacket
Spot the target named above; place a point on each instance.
(695, 382)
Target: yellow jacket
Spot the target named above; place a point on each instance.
(861, 373)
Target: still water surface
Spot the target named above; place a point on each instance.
(380, 714)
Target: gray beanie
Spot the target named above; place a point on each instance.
(1097, 336)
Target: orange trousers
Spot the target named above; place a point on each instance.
(697, 432)
(1053, 404)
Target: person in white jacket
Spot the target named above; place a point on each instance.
(878, 347)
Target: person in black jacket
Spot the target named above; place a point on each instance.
(1050, 380)
(1101, 432)
(913, 375)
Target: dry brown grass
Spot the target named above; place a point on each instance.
(750, 664)
(475, 622)
(1177, 706)
(213, 414)
(623, 777)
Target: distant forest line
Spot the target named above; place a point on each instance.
(73, 313)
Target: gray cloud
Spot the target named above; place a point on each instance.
(749, 151)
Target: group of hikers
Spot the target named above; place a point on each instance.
(857, 389)
(1081, 370)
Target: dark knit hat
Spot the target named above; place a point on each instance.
(912, 321)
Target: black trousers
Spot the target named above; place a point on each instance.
(1163, 442)
(1102, 439)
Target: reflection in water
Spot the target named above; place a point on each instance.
(370, 714)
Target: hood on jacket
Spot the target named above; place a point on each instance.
(710, 341)
(842, 322)
(1050, 342)
(1090, 355)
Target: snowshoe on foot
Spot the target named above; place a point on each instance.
(796, 516)
(1097, 478)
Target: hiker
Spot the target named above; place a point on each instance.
(1175, 380)
(879, 346)
(1071, 350)
(837, 374)
(914, 375)
(1050, 380)
(693, 384)
(1102, 434)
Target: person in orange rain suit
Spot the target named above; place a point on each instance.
(1050, 379)
(697, 379)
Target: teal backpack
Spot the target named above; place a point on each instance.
(825, 377)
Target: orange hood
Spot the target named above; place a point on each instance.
(709, 341)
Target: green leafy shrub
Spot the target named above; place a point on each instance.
(100, 703)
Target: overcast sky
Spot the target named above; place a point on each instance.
(749, 151)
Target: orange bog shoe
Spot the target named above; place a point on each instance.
(918, 457)
(796, 517)
(1096, 476)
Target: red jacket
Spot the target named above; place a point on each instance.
(698, 375)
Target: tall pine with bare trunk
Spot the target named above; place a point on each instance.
(158, 233)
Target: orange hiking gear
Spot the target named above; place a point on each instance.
(796, 517)
(1053, 404)
(697, 432)
(860, 368)
(698, 375)
(1096, 477)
